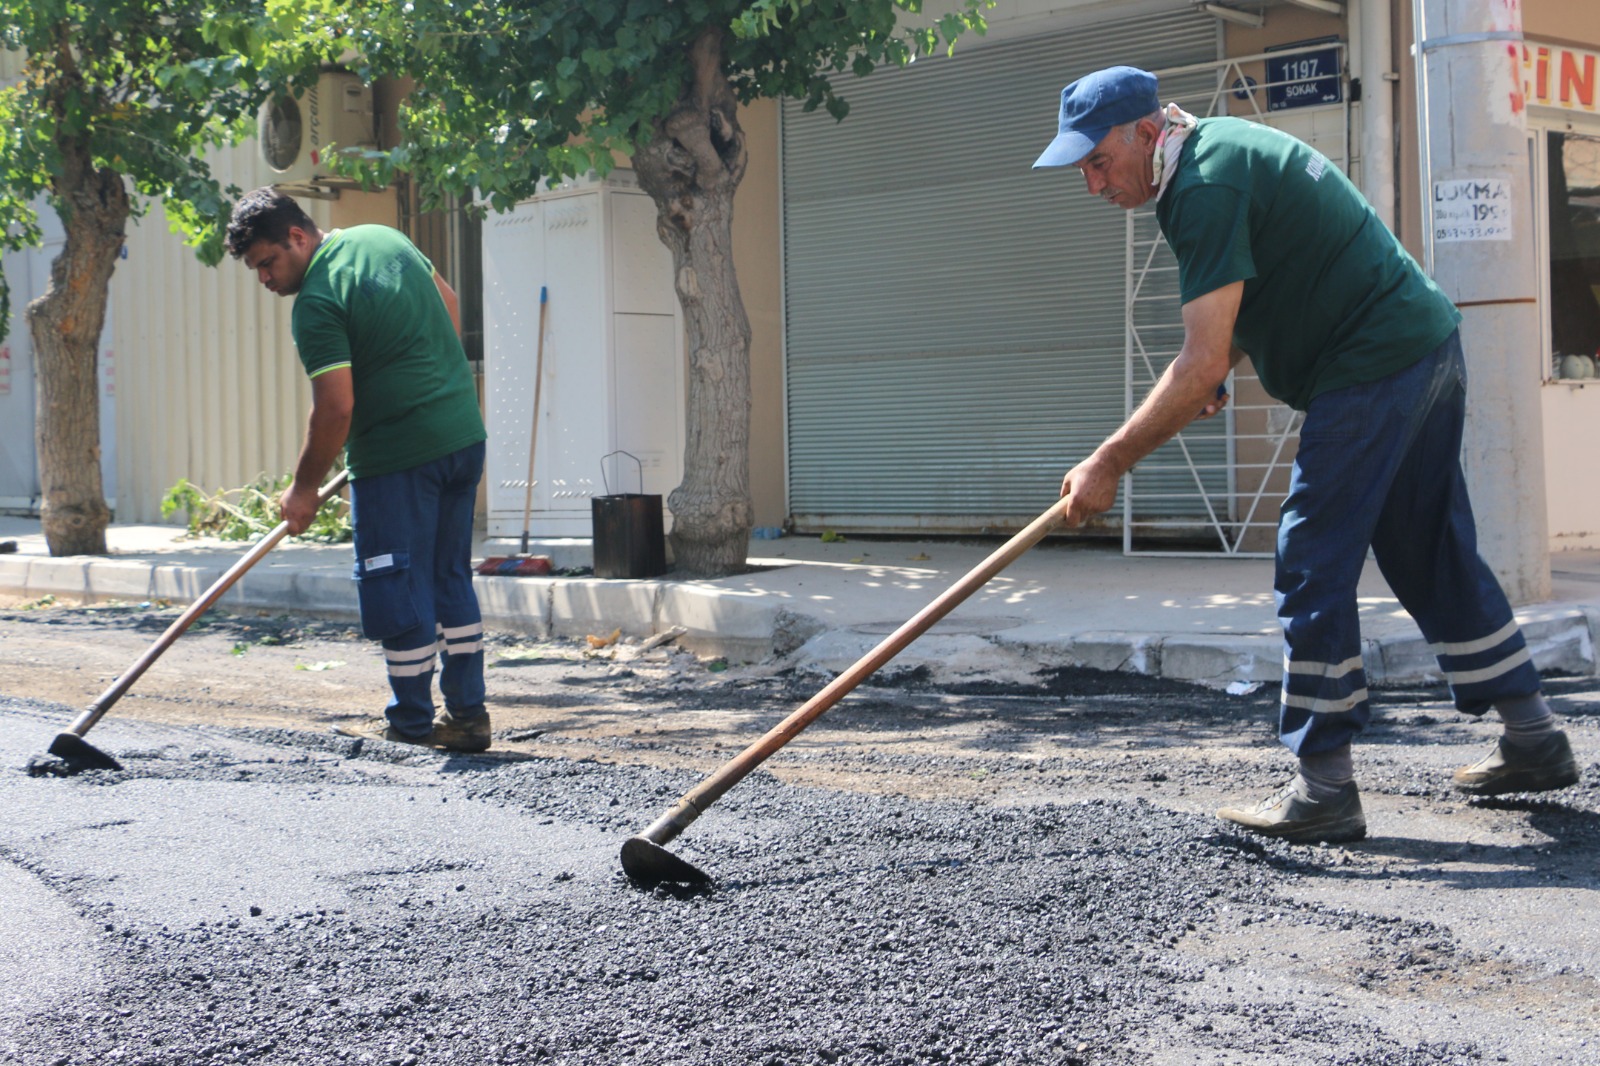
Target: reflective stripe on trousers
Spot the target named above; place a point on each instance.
(1379, 465)
(424, 514)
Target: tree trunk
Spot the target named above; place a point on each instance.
(66, 323)
(691, 169)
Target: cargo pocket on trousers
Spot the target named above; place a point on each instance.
(383, 588)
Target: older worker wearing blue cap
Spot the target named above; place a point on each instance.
(1281, 260)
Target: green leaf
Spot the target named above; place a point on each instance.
(506, 97)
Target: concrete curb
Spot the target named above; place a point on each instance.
(749, 626)
(1561, 644)
(99, 580)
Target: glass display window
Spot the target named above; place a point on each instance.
(1572, 252)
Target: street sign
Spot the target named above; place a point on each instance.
(1304, 79)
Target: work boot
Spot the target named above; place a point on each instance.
(1290, 814)
(394, 736)
(461, 734)
(1513, 767)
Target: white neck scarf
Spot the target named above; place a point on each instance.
(1169, 145)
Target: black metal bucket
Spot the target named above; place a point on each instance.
(629, 537)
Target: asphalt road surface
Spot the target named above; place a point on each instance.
(935, 873)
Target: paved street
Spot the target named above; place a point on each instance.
(995, 874)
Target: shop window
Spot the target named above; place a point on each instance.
(451, 238)
(1574, 199)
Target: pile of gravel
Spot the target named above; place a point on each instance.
(845, 929)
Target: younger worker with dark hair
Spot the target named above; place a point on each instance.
(379, 333)
(1280, 257)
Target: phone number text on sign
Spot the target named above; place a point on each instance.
(1474, 209)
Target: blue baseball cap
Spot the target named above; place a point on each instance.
(1092, 105)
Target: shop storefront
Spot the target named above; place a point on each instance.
(1562, 86)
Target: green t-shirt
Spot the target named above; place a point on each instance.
(1331, 298)
(369, 302)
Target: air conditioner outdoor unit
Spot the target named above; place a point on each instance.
(296, 132)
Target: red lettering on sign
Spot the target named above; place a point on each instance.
(1576, 87)
(1519, 96)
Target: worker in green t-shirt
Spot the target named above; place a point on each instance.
(378, 331)
(1281, 261)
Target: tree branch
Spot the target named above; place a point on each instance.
(692, 123)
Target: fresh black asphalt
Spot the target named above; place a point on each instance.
(280, 897)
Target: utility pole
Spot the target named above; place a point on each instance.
(1369, 23)
(1478, 231)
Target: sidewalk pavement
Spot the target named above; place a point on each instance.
(823, 606)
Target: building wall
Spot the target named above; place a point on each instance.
(209, 388)
(208, 384)
(1284, 24)
(357, 208)
(1264, 464)
(757, 256)
(1562, 21)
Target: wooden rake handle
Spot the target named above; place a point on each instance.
(695, 802)
(96, 710)
(533, 433)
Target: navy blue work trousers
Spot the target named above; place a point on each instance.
(413, 532)
(1379, 465)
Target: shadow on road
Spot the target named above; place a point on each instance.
(1565, 858)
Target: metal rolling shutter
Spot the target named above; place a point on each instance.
(955, 321)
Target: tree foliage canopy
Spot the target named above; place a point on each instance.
(512, 97)
(508, 95)
(140, 88)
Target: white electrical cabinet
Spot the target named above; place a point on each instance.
(612, 374)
